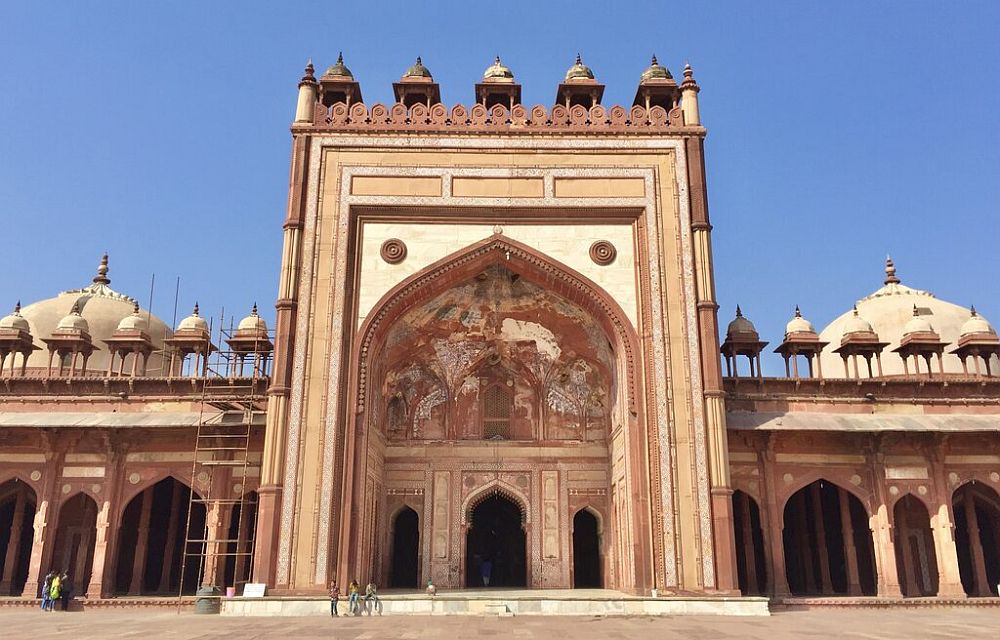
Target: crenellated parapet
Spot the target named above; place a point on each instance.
(477, 118)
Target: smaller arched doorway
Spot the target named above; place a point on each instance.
(75, 540)
(915, 559)
(977, 538)
(495, 545)
(17, 513)
(586, 551)
(405, 569)
(750, 564)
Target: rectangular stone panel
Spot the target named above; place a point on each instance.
(600, 187)
(498, 187)
(906, 473)
(83, 472)
(395, 186)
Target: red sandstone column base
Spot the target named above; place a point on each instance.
(266, 541)
(726, 579)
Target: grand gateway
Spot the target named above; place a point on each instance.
(497, 352)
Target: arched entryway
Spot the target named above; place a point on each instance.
(495, 545)
(827, 542)
(17, 513)
(239, 551)
(74, 542)
(405, 568)
(750, 562)
(977, 538)
(586, 551)
(151, 541)
(914, 542)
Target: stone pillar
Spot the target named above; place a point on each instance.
(171, 542)
(213, 526)
(804, 547)
(850, 551)
(13, 543)
(775, 516)
(949, 578)
(981, 587)
(821, 549)
(141, 544)
(96, 587)
(749, 555)
(42, 542)
(882, 534)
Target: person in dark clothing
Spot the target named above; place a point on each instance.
(65, 591)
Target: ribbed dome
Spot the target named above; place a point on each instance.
(193, 322)
(73, 321)
(740, 325)
(15, 320)
(579, 71)
(418, 70)
(655, 71)
(498, 70)
(103, 309)
(339, 69)
(857, 324)
(253, 322)
(798, 324)
(889, 312)
(134, 322)
(975, 324)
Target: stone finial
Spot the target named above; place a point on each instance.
(309, 76)
(915, 312)
(653, 63)
(798, 313)
(579, 60)
(739, 313)
(890, 271)
(102, 272)
(195, 312)
(972, 310)
(135, 308)
(855, 310)
(17, 309)
(253, 310)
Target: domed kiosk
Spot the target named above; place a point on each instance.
(891, 312)
(98, 311)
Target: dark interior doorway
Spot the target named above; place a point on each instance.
(916, 563)
(751, 566)
(495, 545)
(977, 538)
(405, 550)
(17, 514)
(586, 551)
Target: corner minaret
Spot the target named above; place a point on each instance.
(689, 98)
(307, 96)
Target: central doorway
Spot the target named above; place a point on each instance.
(495, 545)
(586, 551)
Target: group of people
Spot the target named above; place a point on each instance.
(56, 587)
(355, 604)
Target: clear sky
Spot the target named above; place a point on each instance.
(838, 132)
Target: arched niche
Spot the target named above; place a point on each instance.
(18, 502)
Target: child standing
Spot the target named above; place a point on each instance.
(334, 597)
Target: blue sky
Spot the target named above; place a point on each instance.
(838, 132)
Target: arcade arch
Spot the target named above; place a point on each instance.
(914, 542)
(977, 538)
(17, 513)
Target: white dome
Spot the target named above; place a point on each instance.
(889, 313)
(975, 324)
(916, 324)
(193, 322)
(798, 324)
(135, 322)
(73, 321)
(857, 324)
(15, 320)
(102, 309)
(252, 323)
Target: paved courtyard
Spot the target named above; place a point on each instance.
(843, 624)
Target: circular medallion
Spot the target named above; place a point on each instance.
(134, 478)
(603, 252)
(922, 490)
(856, 480)
(393, 251)
(202, 477)
(995, 477)
(953, 478)
(96, 488)
(788, 478)
(36, 475)
(894, 490)
(66, 488)
(237, 488)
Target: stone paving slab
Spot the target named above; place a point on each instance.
(845, 625)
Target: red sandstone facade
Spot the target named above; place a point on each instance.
(497, 344)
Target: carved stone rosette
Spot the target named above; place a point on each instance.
(393, 251)
(603, 252)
